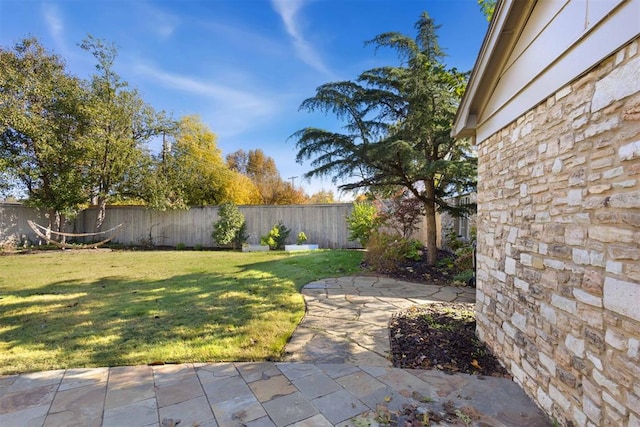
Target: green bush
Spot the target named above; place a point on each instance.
(464, 258)
(231, 228)
(276, 237)
(301, 238)
(464, 276)
(386, 252)
(363, 222)
(180, 246)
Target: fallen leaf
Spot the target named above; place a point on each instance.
(388, 398)
(475, 364)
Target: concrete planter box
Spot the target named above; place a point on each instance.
(255, 248)
(291, 248)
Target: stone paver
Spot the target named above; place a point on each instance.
(347, 318)
(317, 392)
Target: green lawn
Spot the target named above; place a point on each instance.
(100, 308)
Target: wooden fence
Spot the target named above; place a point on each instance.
(323, 224)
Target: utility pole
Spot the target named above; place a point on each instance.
(293, 181)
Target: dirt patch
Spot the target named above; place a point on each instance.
(441, 336)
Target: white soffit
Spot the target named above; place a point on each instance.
(560, 41)
(498, 42)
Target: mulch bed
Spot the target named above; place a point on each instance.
(441, 336)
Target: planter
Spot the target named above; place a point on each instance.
(291, 248)
(255, 248)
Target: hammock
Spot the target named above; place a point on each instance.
(45, 234)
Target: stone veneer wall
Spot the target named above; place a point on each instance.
(558, 296)
(449, 223)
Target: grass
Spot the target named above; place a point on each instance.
(100, 308)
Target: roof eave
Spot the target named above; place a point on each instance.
(506, 24)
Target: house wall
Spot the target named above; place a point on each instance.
(560, 40)
(558, 281)
(461, 228)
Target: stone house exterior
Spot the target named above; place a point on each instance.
(460, 228)
(554, 106)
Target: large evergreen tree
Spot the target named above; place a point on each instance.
(397, 132)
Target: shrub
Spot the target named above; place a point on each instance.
(276, 237)
(363, 221)
(386, 252)
(403, 214)
(464, 258)
(231, 228)
(180, 246)
(197, 247)
(301, 238)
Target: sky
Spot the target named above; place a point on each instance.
(243, 66)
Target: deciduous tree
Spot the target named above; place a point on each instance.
(322, 196)
(41, 127)
(195, 165)
(121, 126)
(262, 170)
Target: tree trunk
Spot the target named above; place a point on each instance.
(102, 212)
(432, 233)
(430, 219)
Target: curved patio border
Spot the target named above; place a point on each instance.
(347, 318)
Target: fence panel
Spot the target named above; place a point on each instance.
(323, 224)
(14, 228)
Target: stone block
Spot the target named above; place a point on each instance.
(560, 398)
(548, 362)
(575, 345)
(564, 303)
(625, 184)
(574, 197)
(587, 298)
(611, 234)
(581, 256)
(614, 267)
(634, 349)
(612, 173)
(566, 377)
(618, 84)
(623, 252)
(615, 339)
(613, 403)
(548, 313)
(595, 360)
(603, 381)
(574, 235)
(629, 200)
(622, 297)
(593, 281)
(519, 320)
(629, 151)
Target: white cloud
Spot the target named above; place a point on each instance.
(161, 23)
(238, 35)
(55, 26)
(233, 111)
(288, 11)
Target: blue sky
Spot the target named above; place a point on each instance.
(244, 66)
